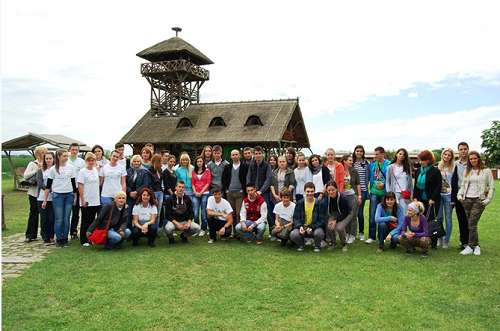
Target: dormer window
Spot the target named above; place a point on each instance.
(184, 123)
(253, 120)
(217, 121)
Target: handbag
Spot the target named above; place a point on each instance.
(404, 194)
(391, 225)
(436, 229)
(29, 181)
(100, 236)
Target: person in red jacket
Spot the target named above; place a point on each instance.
(253, 215)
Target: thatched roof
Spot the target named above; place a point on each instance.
(33, 140)
(275, 116)
(173, 49)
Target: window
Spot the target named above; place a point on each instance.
(184, 123)
(253, 120)
(217, 121)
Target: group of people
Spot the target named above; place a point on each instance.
(297, 199)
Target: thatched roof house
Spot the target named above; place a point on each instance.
(173, 49)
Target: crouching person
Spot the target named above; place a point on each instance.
(415, 232)
(253, 215)
(220, 215)
(284, 217)
(144, 213)
(116, 213)
(180, 213)
(308, 220)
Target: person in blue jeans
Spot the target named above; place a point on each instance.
(445, 210)
(253, 216)
(116, 213)
(389, 217)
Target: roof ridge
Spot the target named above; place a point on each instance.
(248, 101)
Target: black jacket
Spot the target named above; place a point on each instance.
(242, 175)
(433, 183)
(155, 181)
(179, 209)
(119, 221)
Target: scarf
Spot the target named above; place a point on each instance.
(317, 169)
(421, 178)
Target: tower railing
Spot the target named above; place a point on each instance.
(174, 65)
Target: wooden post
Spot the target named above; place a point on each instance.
(17, 184)
(4, 226)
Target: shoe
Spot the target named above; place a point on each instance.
(65, 243)
(467, 251)
(46, 243)
(135, 243)
(351, 239)
(370, 241)
(380, 249)
(293, 244)
(171, 241)
(344, 248)
(211, 241)
(86, 245)
(410, 251)
(74, 237)
(283, 242)
(301, 248)
(317, 249)
(184, 238)
(152, 244)
(273, 238)
(28, 240)
(331, 247)
(59, 244)
(323, 244)
(51, 241)
(446, 245)
(259, 241)
(249, 240)
(423, 254)
(361, 237)
(202, 233)
(461, 247)
(477, 250)
(308, 242)
(223, 238)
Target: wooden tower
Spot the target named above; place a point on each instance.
(174, 74)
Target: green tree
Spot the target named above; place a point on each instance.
(491, 143)
(437, 153)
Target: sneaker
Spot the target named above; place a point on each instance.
(461, 247)
(351, 239)
(65, 243)
(259, 241)
(323, 244)
(59, 244)
(151, 244)
(370, 241)
(344, 248)
(361, 237)
(250, 240)
(184, 238)
(28, 240)
(380, 249)
(46, 243)
(211, 241)
(223, 238)
(171, 241)
(202, 233)
(301, 248)
(446, 245)
(477, 250)
(317, 249)
(331, 247)
(273, 238)
(440, 242)
(86, 245)
(467, 251)
(51, 241)
(423, 254)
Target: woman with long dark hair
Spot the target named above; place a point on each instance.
(144, 215)
(389, 217)
(321, 176)
(47, 213)
(291, 160)
(399, 178)
(202, 178)
(363, 167)
(100, 160)
(273, 162)
(352, 189)
(156, 178)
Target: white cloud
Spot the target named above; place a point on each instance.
(412, 95)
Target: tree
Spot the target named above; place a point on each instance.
(437, 153)
(491, 143)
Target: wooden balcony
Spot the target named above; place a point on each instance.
(189, 71)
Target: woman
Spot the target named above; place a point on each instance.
(112, 178)
(185, 173)
(445, 212)
(335, 169)
(414, 232)
(363, 167)
(273, 162)
(201, 181)
(320, 175)
(146, 154)
(116, 213)
(207, 155)
(88, 187)
(47, 214)
(399, 178)
(137, 179)
(303, 175)
(389, 217)
(145, 213)
(475, 193)
(338, 214)
(284, 217)
(31, 170)
(291, 156)
(427, 188)
(169, 177)
(352, 188)
(61, 180)
(156, 178)
(100, 160)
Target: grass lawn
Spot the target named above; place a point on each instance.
(232, 285)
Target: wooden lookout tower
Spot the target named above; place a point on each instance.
(175, 75)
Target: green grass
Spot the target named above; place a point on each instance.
(234, 285)
(18, 161)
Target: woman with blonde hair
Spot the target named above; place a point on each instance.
(185, 173)
(88, 187)
(415, 232)
(475, 193)
(445, 211)
(137, 179)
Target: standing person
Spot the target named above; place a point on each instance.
(308, 220)
(320, 175)
(122, 159)
(116, 213)
(234, 179)
(88, 187)
(363, 167)
(217, 167)
(100, 160)
(248, 156)
(335, 169)
(283, 177)
(220, 216)
(201, 181)
(156, 178)
(146, 154)
(78, 164)
(144, 216)
(185, 173)
(284, 217)
(352, 189)
(61, 180)
(456, 183)
(31, 170)
(389, 217)
(164, 159)
(260, 175)
(427, 188)
(169, 177)
(253, 215)
(399, 178)
(273, 162)
(475, 193)
(446, 209)
(47, 213)
(303, 175)
(377, 188)
(291, 158)
(415, 232)
(112, 179)
(137, 179)
(207, 155)
(336, 208)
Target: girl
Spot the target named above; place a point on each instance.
(337, 214)
(145, 213)
(169, 177)
(320, 175)
(273, 162)
(201, 181)
(185, 173)
(352, 190)
(156, 178)
(88, 187)
(363, 168)
(445, 211)
(414, 232)
(303, 175)
(207, 155)
(100, 160)
(335, 169)
(112, 178)
(389, 216)
(291, 155)
(399, 178)
(31, 170)
(46, 214)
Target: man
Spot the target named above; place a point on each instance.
(456, 182)
(220, 216)
(247, 155)
(308, 220)
(124, 161)
(260, 175)
(253, 215)
(217, 167)
(378, 171)
(78, 164)
(234, 178)
(179, 213)
(164, 159)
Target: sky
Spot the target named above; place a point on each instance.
(413, 74)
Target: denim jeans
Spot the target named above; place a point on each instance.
(115, 240)
(383, 231)
(63, 203)
(106, 200)
(374, 201)
(447, 209)
(159, 198)
(46, 220)
(270, 209)
(260, 229)
(361, 212)
(402, 202)
(197, 202)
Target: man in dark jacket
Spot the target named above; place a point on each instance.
(260, 175)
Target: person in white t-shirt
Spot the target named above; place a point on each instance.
(78, 164)
(47, 213)
(144, 217)
(88, 187)
(112, 179)
(220, 215)
(100, 160)
(284, 217)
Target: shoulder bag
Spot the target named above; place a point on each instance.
(404, 194)
(100, 236)
(436, 229)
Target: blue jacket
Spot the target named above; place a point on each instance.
(380, 217)
(343, 207)
(300, 211)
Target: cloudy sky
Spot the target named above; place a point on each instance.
(420, 75)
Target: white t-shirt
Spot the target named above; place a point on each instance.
(285, 213)
(61, 182)
(41, 195)
(222, 207)
(318, 182)
(78, 164)
(122, 162)
(144, 213)
(112, 179)
(90, 181)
